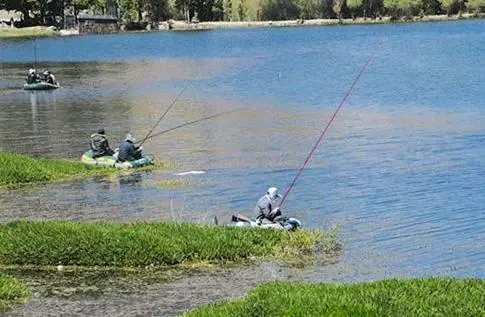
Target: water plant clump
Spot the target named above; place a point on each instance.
(393, 297)
(18, 169)
(12, 291)
(142, 244)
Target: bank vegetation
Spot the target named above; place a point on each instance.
(142, 244)
(19, 169)
(145, 246)
(12, 291)
(443, 296)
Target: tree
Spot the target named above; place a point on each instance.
(399, 8)
(280, 10)
(476, 5)
(353, 5)
(157, 10)
(310, 9)
(337, 8)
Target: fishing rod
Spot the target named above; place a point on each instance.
(163, 115)
(35, 53)
(194, 122)
(319, 140)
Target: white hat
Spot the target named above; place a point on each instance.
(130, 138)
(31, 71)
(273, 193)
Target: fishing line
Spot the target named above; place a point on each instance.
(319, 140)
(163, 115)
(193, 122)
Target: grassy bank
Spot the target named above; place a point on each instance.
(68, 243)
(18, 169)
(12, 291)
(393, 298)
(34, 31)
(22, 169)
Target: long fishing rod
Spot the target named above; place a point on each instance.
(319, 140)
(163, 115)
(35, 53)
(194, 122)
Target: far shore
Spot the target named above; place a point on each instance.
(181, 25)
(172, 25)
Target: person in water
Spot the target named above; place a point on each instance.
(128, 151)
(32, 77)
(49, 77)
(265, 208)
(99, 144)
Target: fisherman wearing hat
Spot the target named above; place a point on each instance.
(49, 77)
(128, 151)
(99, 144)
(32, 77)
(265, 208)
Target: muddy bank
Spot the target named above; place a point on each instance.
(135, 295)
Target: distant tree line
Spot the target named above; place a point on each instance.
(48, 12)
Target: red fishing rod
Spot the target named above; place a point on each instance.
(319, 140)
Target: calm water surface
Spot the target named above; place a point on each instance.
(400, 172)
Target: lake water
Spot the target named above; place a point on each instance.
(400, 172)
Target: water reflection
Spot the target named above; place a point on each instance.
(130, 179)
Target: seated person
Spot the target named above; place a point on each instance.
(128, 151)
(99, 144)
(265, 208)
(49, 77)
(32, 77)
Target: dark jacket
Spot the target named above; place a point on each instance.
(32, 78)
(99, 145)
(128, 152)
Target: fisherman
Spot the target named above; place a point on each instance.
(99, 144)
(128, 151)
(265, 208)
(49, 77)
(32, 77)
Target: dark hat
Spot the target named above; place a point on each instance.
(100, 130)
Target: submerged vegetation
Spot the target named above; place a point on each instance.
(17, 169)
(12, 291)
(394, 298)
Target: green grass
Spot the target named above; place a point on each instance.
(22, 169)
(140, 244)
(12, 291)
(27, 32)
(18, 169)
(446, 297)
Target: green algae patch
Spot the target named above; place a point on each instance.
(144, 244)
(393, 297)
(12, 291)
